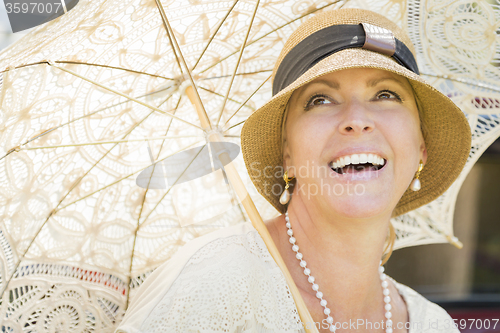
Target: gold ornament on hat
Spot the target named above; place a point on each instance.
(285, 196)
(415, 184)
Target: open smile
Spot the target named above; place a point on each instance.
(357, 163)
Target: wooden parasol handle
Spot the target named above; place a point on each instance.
(252, 212)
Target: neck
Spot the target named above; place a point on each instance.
(343, 255)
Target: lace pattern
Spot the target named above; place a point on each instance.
(230, 285)
(425, 316)
(74, 207)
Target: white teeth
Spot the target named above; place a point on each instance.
(358, 159)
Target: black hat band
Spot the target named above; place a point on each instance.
(327, 41)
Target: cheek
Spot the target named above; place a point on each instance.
(405, 137)
(402, 125)
(305, 138)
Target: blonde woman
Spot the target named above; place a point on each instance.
(351, 137)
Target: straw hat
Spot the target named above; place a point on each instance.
(354, 38)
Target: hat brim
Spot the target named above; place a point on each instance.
(447, 137)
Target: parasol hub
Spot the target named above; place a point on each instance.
(214, 134)
(183, 84)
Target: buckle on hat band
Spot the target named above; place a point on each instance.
(379, 39)
(335, 38)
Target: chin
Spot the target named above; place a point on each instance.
(362, 206)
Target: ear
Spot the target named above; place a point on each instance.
(287, 159)
(423, 152)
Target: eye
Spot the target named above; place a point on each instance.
(317, 100)
(388, 94)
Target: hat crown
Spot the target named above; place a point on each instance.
(337, 17)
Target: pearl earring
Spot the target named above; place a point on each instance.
(285, 196)
(415, 184)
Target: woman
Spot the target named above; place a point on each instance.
(361, 138)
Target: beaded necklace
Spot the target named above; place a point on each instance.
(319, 294)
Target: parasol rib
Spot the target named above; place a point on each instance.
(114, 141)
(88, 115)
(144, 199)
(238, 62)
(214, 34)
(138, 220)
(267, 34)
(240, 123)
(249, 97)
(220, 95)
(465, 81)
(170, 37)
(253, 214)
(169, 29)
(123, 178)
(237, 74)
(113, 67)
(88, 64)
(168, 127)
(122, 94)
(23, 255)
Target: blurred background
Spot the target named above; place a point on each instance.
(466, 282)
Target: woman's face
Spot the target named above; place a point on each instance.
(338, 129)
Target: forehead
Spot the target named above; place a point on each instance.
(358, 77)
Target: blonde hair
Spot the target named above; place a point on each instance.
(389, 244)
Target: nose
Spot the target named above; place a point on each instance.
(356, 119)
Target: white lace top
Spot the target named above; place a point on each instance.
(227, 281)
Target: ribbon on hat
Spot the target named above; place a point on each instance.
(335, 38)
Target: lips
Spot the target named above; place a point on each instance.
(357, 163)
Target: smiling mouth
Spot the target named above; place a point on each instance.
(360, 163)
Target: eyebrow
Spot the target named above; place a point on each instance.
(374, 82)
(329, 83)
